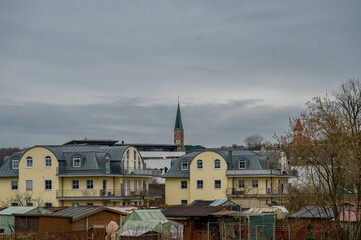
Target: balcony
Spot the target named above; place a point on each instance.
(117, 171)
(269, 172)
(255, 192)
(94, 194)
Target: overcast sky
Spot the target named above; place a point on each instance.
(114, 69)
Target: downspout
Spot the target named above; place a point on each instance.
(86, 224)
(62, 191)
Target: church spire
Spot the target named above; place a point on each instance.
(179, 131)
(178, 121)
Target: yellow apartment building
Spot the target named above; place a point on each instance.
(226, 174)
(80, 172)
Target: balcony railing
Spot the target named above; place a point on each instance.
(249, 192)
(112, 171)
(243, 172)
(108, 194)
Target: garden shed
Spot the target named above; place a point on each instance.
(7, 218)
(143, 222)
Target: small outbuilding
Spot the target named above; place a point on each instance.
(7, 219)
(142, 223)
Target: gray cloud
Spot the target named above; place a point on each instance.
(78, 62)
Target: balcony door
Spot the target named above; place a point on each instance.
(104, 185)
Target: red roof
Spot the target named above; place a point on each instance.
(191, 211)
(298, 126)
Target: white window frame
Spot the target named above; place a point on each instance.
(200, 182)
(32, 162)
(32, 185)
(72, 184)
(12, 163)
(11, 185)
(45, 162)
(244, 184)
(51, 183)
(220, 184)
(214, 164)
(184, 181)
(239, 164)
(253, 184)
(186, 165)
(49, 203)
(77, 158)
(201, 162)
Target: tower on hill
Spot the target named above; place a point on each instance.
(298, 130)
(179, 131)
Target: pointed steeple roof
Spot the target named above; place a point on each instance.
(298, 126)
(178, 121)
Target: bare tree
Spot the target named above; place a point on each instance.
(254, 142)
(329, 151)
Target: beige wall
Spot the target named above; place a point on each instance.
(38, 173)
(173, 192)
(208, 174)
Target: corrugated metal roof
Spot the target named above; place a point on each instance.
(24, 210)
(314, 212)
(218, 202)
(148, 215)
(76, 212)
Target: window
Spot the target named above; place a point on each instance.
(76, 162)
(184, 202)
(217, 184)
(217, 164)
(75, 184)
(255, 183)
(74, 204)
(184, 165)
(15, 163)
(89, 204)
(48, 204)
(128, 154)
(241, 184)
(199, 164)
(139, 163)
(199, 184)
(135, 155)
(48, 184)
(14, 204)
(242, 164)
(14, 185)
(29, 204)
(29, 185)
(47, 161)
(184, 184)
(29, 162)
(107, 167)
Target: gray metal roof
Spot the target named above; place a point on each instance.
(76, 212)
(314, 212)
(254, 161)
(92, 157)
(6, 169)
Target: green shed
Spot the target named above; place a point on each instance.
(7, 218)
(143, 221)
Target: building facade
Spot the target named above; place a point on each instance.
(227, 174)
(84, 172)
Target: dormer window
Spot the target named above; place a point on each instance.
(242, 164)
(29, 162)
(184, 165)
(107, 164)
(76, 162)
(15, 163)
(199, 164)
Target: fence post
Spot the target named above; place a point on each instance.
(225, 230)
(240, 230)
(208, 230)
(289, 233)
(256, 232)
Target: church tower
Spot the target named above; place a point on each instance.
(298, 130)
(179, 131)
